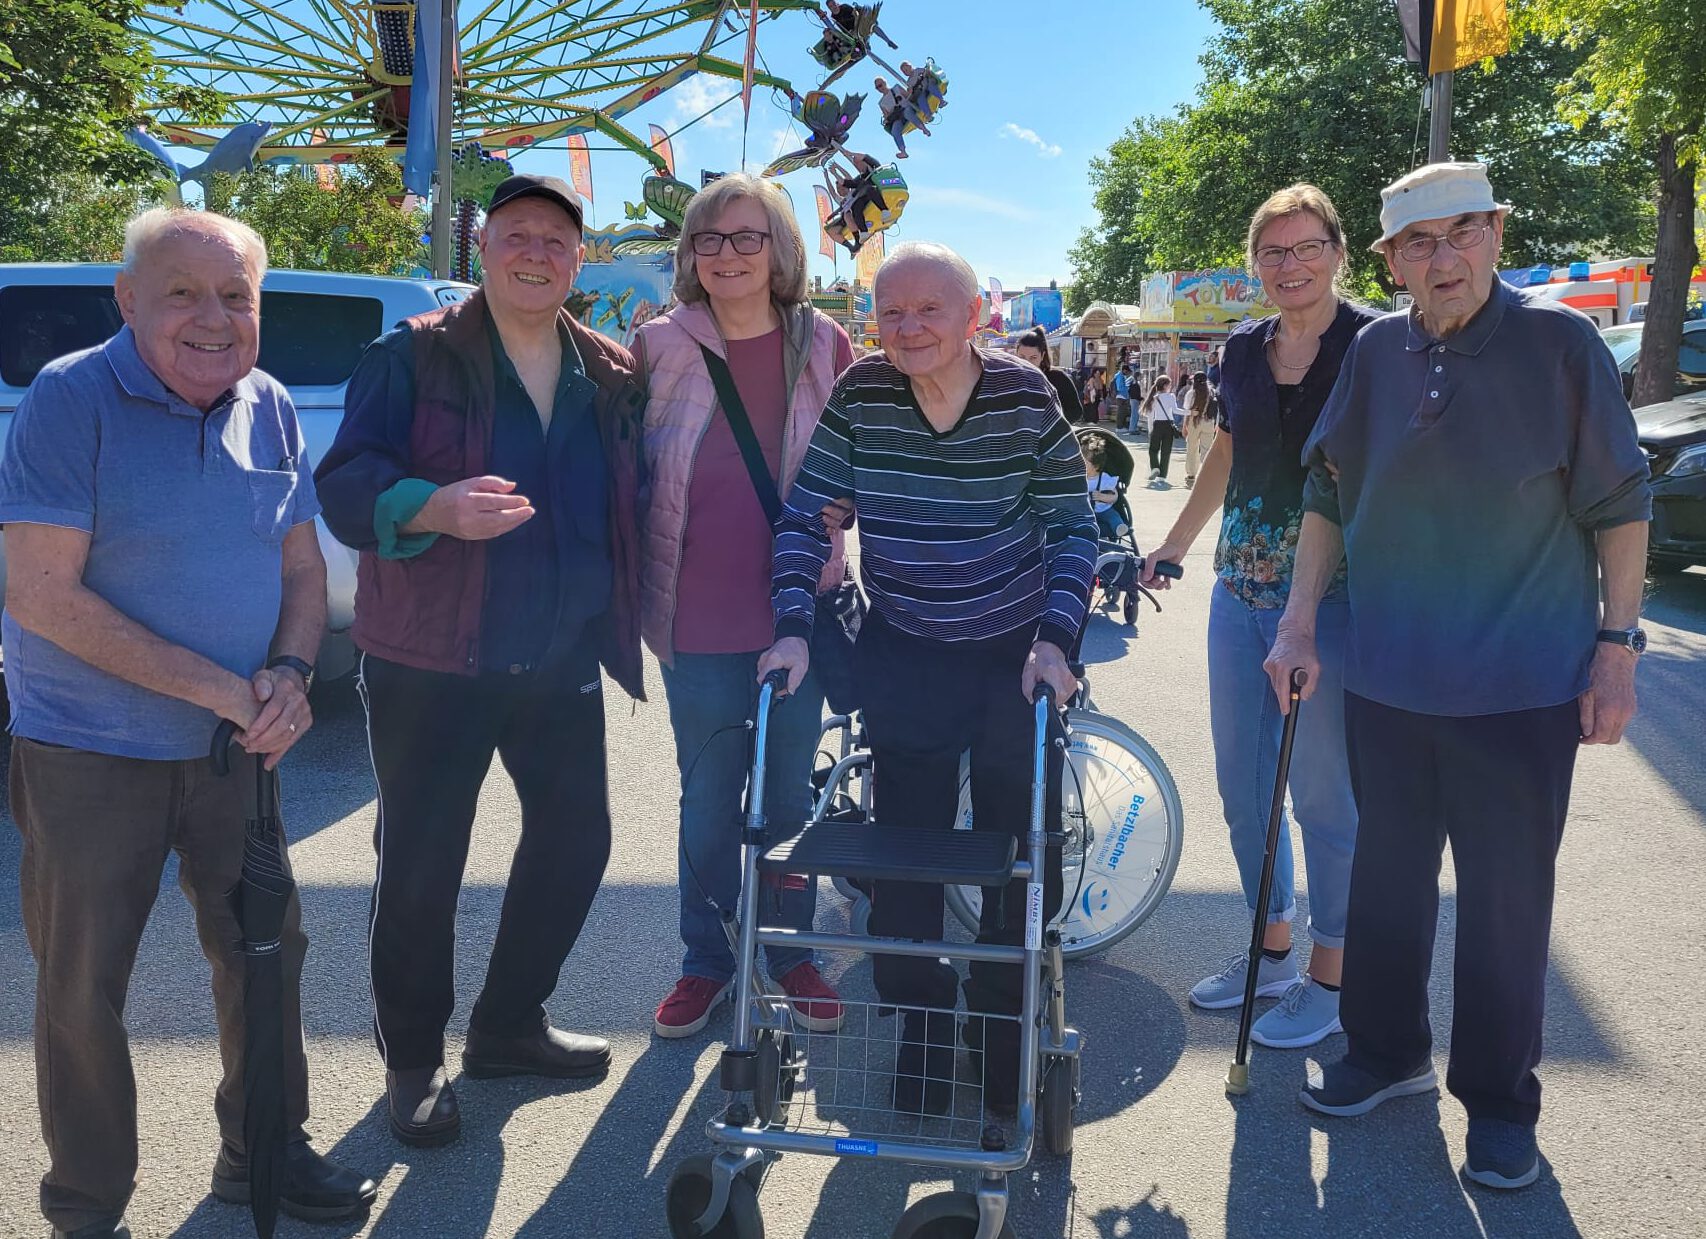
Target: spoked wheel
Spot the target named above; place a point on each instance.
(689, 1192)
(1058, 1104)
(946, 1215)
(776, 1075)
(1124, 830)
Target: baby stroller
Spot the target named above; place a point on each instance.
(1118, 561)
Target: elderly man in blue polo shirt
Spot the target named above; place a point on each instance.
(1477, 469)
(163, 575)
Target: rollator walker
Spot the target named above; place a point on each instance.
(795, 1091)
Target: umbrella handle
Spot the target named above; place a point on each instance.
(220, 753)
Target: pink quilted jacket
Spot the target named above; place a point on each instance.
(678, 412)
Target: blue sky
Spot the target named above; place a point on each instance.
(1035, 91)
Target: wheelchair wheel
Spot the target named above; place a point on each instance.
(688, 1193)
(946, 1215)
(1058, 1104)
(776, 1075)
(1124, 831)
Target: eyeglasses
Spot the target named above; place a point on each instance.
(710, 244)
(1465, 237)
(1303, 251)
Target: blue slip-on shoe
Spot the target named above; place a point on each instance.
(1226, 987)
(1345, 1091)
(1306, 1014)
(1502, 1154)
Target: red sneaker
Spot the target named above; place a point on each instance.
(817, 1008)
(689, 1005)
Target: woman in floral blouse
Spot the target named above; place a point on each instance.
(1276, 374)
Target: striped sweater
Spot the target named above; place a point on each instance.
(963, 536)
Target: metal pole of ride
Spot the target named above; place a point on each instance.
(1439, 118)
(443, 213)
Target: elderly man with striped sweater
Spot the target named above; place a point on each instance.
(977, 546)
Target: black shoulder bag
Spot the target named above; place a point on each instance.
(841, 611)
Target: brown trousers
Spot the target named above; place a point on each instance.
(96, 830)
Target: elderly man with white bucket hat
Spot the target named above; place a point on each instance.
(1477, 469)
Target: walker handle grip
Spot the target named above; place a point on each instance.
(1165, 568)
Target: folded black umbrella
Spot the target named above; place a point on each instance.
(259, 900)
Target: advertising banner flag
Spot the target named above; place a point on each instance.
(661, 146)
(1467, 31)
(580, 166)
(825, 246)
(870, 258)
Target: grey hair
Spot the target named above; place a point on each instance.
(154, 225)
(787, 246)
(934, 252)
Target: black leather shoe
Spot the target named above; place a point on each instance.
(315, 1189)
(549, 1052)
(423, 1106)
(115, 1229)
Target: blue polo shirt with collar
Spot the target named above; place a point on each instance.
(1470, 476)
(186, 514)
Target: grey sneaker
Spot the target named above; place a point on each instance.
(1501, 1154)
(1305, 1015)
(1226, 987)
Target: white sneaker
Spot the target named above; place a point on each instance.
(1305, 1015)
(1226, 987)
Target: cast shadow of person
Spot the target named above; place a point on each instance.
(1387, 1173)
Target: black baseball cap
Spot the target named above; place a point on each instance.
(551, 188)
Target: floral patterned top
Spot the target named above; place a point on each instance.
(1269, 423)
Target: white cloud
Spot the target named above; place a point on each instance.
(970, 200)
(700, 93)
(1048, 150)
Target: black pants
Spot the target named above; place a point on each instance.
(432, 738)
(1498, 787)
(926, 703)
(1161, 436)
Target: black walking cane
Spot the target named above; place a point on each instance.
(1238, 1075)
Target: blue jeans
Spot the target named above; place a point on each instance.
(708, 692)
(1246, 723)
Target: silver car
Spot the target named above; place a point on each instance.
(314, 326)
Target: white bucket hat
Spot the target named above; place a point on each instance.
(1435, 191)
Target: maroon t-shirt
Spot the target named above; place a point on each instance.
(723, 596)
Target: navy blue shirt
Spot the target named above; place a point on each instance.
(1269, 425)
(549, 576)
(1473, 474)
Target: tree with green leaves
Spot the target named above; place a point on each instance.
(1644, 73)
(73, 77)
(350, 223)
(1318, 90)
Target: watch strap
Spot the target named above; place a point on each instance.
(293, 663)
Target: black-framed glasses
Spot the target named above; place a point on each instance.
(1303, 251)
(1463, 237)
(710, 244)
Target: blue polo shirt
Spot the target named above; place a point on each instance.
(186, 514)
(1473, 473)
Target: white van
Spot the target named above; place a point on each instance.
(314, 326)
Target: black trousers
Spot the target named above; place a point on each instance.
(1161, 436)
(925, 704)
(1498, 787)
(432, 738)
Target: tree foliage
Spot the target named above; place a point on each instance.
(350, 224)
(1318, 90)
(1644, 72)
(73, 77)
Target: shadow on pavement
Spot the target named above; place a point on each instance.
(1672, 692)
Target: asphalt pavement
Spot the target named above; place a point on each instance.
(1161, 1151)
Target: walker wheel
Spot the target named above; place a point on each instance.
(1129, 613)
(1058, 1104)
(946, 1215)
(859, 917)
(845, 888)
(688, 1193)
(776, 1075)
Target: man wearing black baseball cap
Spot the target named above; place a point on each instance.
(486, 471)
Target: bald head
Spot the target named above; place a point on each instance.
(144, 236)
(954, 271)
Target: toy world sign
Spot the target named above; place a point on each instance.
(1219, 296)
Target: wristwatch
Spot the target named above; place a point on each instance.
(1632, 639)
(293, 663)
